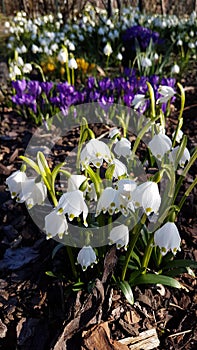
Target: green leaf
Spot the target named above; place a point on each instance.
(127, 291)
(43, 165)
(110, 171)
(95, 178)
(50, 273)
(77, 286)
(56, 171)
(31, 163)
(180, 263)
(155, 279)
(56, 249)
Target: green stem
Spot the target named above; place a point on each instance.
(180, 121)
(147, 253)
(72, 262)
(68, 73)
(184, 173)
(141, 134)
(73, 76)
(135, 236)
(152, 100)
(186, 194)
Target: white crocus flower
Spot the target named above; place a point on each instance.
(175, 69)
(147, 196)
(112, 201)
(185, 157)
(107, 49)
(95, 152)
(14, 182)
(86, 257)
(138, 101)
(72, 63)
(120, 169)
(73, 204)
(75, 181)
(167, 93)
(167, 238)
(55, 224)
(119, 235)
(63, 56)
(178, 136)
(159, 145)
(32, 193)
(123, 148)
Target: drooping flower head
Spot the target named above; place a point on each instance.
(167, 238)
(86, 257)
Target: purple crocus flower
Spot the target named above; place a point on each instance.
(46, 86)
(91, 82)
(34, 88)
(19, 86)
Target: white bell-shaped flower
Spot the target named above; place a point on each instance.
(73, 204)
(114, 132)
(159, 145)
(107, 49)
(120, 169)
(123, 148)
(72, 63)
(86, 257)
(95, 152)
(167, 238)
(138, 101)
(63, 56)
(175, 69)
(125, 187)
(147, 196)
(55, 224)
(111, 201)
(178, 136)
(14, 182)
(119, 235)
(75, 181)
(185, 157)
(167, 93)
(32, 193)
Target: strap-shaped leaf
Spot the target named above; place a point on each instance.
(155, 279)
(109, 172)
(31, 163)
(127, 291)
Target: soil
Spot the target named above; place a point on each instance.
(42, 312)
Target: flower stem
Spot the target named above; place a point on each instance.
(180, 119)
(135, 236)
(141, 134)
(72, 263)
(186, 194)
(184, 173)
(147, 253)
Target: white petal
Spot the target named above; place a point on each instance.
(55, 224)
(168, 238)
(159, 145)
(120, 236)
(86, 257)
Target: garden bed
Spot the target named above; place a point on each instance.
(38, 312)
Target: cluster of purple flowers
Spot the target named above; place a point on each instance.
(142, 35)
(60, 96)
